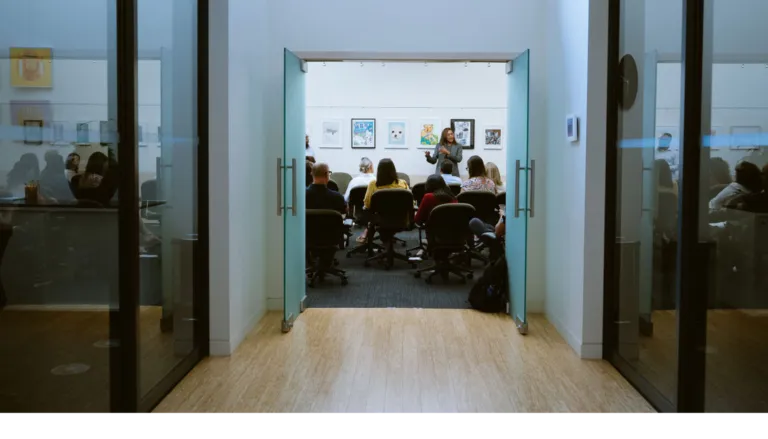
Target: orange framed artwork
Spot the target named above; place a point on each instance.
(31, 67)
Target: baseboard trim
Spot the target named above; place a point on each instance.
(220, 348)
(569, 338)
(591, 351)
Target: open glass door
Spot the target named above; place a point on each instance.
(292, 209)
(520, 205)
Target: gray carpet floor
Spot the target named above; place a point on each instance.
(374, 287)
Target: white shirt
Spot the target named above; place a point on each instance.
(360, 180)
(309, 152)
(451, 179)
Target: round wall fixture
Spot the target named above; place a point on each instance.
(628, 82)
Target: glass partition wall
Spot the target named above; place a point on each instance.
(103, 231)
(686, 295)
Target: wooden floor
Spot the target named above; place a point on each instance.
(403, 360)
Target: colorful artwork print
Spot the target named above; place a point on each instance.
(31, 67)
(428, 134)
(397, 134)
(493, 137)
(363, 133)
(464, 131)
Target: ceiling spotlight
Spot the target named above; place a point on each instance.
(425, 63)
(323, 63)
(466, 64)
(361, 63)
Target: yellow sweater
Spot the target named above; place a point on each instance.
(373, 188)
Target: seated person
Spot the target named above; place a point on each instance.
(446, 171)
(386, 178)
(308, 171)
(756, 202)
(364, 179)
(437, 193)
(495, 175)
(478, 179)
(99, 181)
(748, 181)
(318, 194)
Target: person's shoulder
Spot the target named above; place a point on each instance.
(403, 184)
(372, 183)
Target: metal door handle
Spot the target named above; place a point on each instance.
(533, 186)
(293, 189)
(517, 188)
(279, 186)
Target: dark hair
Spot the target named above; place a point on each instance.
(719, 171)
(97, 164)
(444, 137)
(26, 169)
(663, 174)
(749, 176)
(71, 161)
(436, 185)
(446, 167)
(386, 173)
(667, 139)
(476, 167)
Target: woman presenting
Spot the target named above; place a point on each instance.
(447, 149)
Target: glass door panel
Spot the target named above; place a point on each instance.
(294, 288)
(519, 204)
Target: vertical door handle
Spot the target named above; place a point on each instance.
(517, 188)
(279, 186)
(293, 189)
(533, 186)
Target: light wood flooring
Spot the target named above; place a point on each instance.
(403, 360)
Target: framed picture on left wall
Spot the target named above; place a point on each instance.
(330, 135)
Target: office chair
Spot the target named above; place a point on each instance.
(419, 190)
(360, 216)
(333, 186)
(486, 206)
(342, 179)
(324, 230)
(447, 234)
(456, 189)
(149, 193)
(501, 199)
(403, 176)
(391, 212)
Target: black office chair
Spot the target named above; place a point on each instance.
(456, 189)
(419, 190)
(486, 209)
(403, 176)
(501, 199)
(391, 212)
(333, 186)
(324, 230)
(360, 217)
(342, 179)
(447, 234)
(149, 193)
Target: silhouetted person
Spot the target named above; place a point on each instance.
(756, 202)
(72, 165)
(748, 180)
(25, 170)
(53, 179)
(719, 176)
(99, 181)
(447, 150)
(666, 153)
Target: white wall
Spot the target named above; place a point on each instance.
(576, 54)
(404, 91)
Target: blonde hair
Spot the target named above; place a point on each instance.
(493, 173)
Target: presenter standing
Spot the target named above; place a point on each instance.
(447, 149)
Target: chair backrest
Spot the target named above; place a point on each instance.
(149, 190)
(403, 176)
(419, 189)
(333, 186)
(448, 225)
(325, 228)
(342, 179)
(356, 201)
(392, 208)
(484, 203)
(456, 189)
(501, 199)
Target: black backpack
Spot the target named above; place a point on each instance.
(489, 294)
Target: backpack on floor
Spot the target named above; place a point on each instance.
(489, 294)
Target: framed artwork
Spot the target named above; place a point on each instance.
(33, 132)
(104, 133)
(31, 67)
(429, 133)
(572, 128)
(745, 137)
(397, 134)
(140, 136)
(464, 130)
(493, 138)
(83, 134)
(31, 110)
(331, 134)
(58, 133)
(364, 133)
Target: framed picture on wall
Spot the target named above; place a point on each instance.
(83, 134)
(33, 132)
(364, 133)
(745, 137)
(572, 128)
(104, 133)
(330, 136)
(429, 133)
(397, 134)
(57, 134)
(493, 137)
(464, 131)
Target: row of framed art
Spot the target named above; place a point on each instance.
(363, 134)
(35, 132)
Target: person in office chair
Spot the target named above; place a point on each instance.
(318, 194)
(446, 171)
(437, 192)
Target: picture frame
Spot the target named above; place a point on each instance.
(83, 134)
(363, 133)
(104, 133)
(31, 67)
(745, 137)
(57, 134)
(331, 133)
(140, 136)
(429, 133)
(572, 128)
(493, 137)
(396, 134)
(33, 132)
(464, 132)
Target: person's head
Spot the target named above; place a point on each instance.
(26, 169)
(54, 161)
(447, 167)
(749, 176)
(719, 172)
(436, 185)
(366, 166)
(665, 141)
(73, 161)
(447, 137)
(663, 174)
(493, 173)
(306, 141)
(97, 164)
(321, 173)
(476, 167)
(386, 173)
